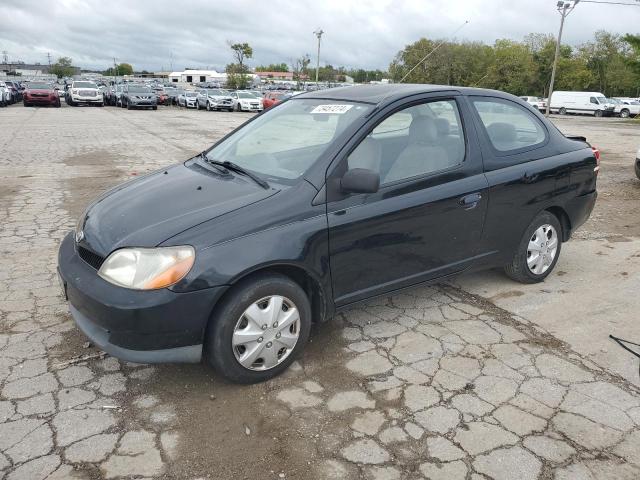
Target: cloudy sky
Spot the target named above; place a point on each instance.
(152, 34)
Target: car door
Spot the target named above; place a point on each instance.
(426, 219)
(524, 169)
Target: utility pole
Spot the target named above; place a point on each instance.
(318, 33)
(49, 59)
(565, 8)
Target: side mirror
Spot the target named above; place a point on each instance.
(360, 180)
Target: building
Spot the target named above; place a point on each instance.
(280, 76)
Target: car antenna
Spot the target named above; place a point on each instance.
(425, 57)
(433, 50)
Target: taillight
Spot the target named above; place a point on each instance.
(596, 153)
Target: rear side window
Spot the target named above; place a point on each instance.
(509, 127)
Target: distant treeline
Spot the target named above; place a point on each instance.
(609, 64)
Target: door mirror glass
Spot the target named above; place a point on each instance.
(360, 180)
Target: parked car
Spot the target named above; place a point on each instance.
(14, 92)
(187, 99)
(40, 93)
(536, 102)
(271, 98)
(86, 92)
(627, 107)
(5, 95)
(329, 199)
(138, 96)
(214, 99)
(173, 94)
(245, 101)
(638, 164)
(589, 103)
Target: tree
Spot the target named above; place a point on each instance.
(300, 67)
(120, 70)
(63, 67)
(237, 72)
(279, 67)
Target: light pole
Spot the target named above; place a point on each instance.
(318, 33)
(565, 8)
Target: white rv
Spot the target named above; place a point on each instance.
(585, 103)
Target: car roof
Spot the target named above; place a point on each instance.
(388, 93)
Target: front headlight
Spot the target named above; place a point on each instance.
(147, 268)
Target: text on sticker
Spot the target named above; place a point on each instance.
(331, 109)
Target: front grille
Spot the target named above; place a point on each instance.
(91, 258)
(87, 93)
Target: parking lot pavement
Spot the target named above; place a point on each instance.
(431, 383)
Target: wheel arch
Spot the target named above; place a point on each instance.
(310, 283)
(565, 222)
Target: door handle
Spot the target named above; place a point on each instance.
(470, 201)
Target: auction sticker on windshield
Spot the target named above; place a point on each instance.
(331, 109)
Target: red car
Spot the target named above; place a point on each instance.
(271, 98)
(40, 94)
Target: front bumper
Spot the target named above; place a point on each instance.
(41, 100)
(156, 326)
(79, 99)
(142, 103)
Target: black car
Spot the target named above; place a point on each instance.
(325, 200)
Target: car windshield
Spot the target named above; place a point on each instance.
(245, 95)
(138, 89)
(39, 86)
(287, 140)
(84, 85)
(215, 92)
(601, 100)
(190, 94)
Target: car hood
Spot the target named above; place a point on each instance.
(149, 210)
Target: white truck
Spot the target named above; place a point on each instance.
(82, 91)
(584, 103)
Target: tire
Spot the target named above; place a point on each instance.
(129, 107)
(197, 105)
(562, 111)
(58, 104)
(597, 113)
(208, 107)
(155, 107)
(238, 108)
(101, 104)
(519, 269)
(638, 169)
(625, 113)
(25, 104)
(229, 314)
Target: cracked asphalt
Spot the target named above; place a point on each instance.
(432, 383)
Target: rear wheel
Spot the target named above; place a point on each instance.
(538, 251)
(259, 329)
(597, 113)
(562, 111)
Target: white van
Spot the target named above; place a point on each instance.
(585, 103)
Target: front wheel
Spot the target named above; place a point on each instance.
(538, 251)
(208, 106)
(624, 113)
(259, 329)
(238, 108)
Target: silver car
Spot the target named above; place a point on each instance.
(214, 99)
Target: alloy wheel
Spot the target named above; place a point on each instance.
(266, 333)
(542, 249)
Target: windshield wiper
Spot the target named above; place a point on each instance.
(218, 166)
(238, 169)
